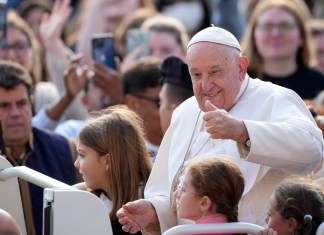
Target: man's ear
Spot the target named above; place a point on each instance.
(243, 64)
(292, 224)
(131, 101)
(205, 204)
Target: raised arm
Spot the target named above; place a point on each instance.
(52, 26)
(74, 80)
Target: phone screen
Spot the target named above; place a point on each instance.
(136, 38)
(3, 17)
(103, 49)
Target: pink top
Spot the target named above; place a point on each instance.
(213, 218)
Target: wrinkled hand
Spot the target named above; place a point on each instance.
(137, 215)
(267, 231)
(221, 125)
(109, 80)
(75, 77)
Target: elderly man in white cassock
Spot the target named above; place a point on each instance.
(264, 128)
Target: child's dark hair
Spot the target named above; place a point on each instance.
(302, 201)
(221, 180)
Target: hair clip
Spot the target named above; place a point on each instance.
(308, 217)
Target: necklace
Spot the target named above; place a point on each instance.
(191, 143)
(176, 179)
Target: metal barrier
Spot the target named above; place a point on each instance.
(238, 227)
(32, 176)
(10, 199)
(67, 210)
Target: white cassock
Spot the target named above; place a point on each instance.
(284, 138)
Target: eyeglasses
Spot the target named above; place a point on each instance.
(156, 101)
(282, 27)
(19, 48)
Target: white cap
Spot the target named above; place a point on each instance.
(215, 35)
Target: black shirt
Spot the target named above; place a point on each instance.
(306, 82)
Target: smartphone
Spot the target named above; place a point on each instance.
(3, 17)
(136, 38)
(103, 49)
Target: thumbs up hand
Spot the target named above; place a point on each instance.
(209, 106)
(221, 125)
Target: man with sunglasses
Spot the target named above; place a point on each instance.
(141, 84)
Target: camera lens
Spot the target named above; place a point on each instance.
(99, 43)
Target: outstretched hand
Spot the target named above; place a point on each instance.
(52, 25)
(267, 231)
(221, 125)
(137, 215)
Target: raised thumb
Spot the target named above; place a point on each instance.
(209, 106)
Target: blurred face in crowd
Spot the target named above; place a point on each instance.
(17, 48)
(146, 105)
(193, 8)
(116, 10)
(318, 42)
(34, 18)
(93, 168)
(95, 98)
(277, 35)
(15, 115)
(217, 72)
(164, 44)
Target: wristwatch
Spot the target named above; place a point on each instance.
(248, 143)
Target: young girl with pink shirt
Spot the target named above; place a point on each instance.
(210, 191)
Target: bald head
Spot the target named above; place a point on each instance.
(8, 225)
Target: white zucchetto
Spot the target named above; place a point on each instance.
(215, 35)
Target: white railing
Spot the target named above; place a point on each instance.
(32, 176)
(320, 229)
(238, 227)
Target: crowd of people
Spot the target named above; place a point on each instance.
(208, 121)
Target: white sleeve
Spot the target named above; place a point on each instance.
(42, 121)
